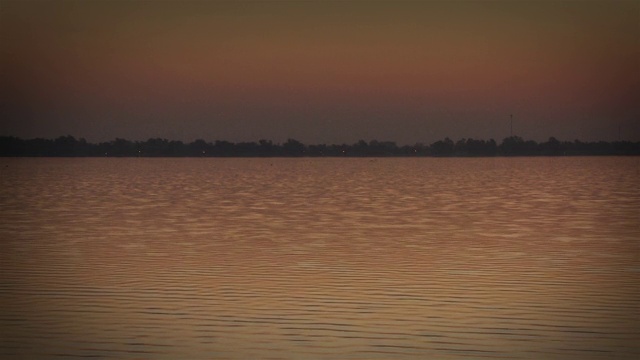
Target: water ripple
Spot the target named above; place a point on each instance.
(320, 258)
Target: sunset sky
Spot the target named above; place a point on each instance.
(320, 72)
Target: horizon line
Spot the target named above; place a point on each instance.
(388, 141)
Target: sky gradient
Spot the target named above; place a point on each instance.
(320, 72)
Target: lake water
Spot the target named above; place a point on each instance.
(409, 258)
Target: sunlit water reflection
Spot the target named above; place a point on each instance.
(523, 258)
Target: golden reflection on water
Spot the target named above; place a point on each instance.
(320, 258)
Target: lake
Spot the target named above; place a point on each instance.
(341, 258)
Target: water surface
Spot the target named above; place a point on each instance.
(524, 258)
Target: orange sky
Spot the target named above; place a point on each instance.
(409, 71)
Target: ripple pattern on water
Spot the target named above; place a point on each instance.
(320, 258)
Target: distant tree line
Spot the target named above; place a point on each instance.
(68, 146)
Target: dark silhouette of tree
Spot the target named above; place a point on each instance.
(319, 150)
(460, 147)
(552, 147)
(223, 148)
(247, 149)
(361, 148)
(293, 148)
(516, 146)
(383, 148)
(155, 147)
(65, 146)
(491, 147)
(266, 148)
(442, 147)
(12, 146)
(121, 147)
(199, 148)
(471, 147)
(408, 150)
(511, 146)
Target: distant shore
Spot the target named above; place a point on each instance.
(69, 146)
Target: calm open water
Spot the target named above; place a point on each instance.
(519, 258)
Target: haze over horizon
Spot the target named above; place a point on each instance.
(320, 72)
